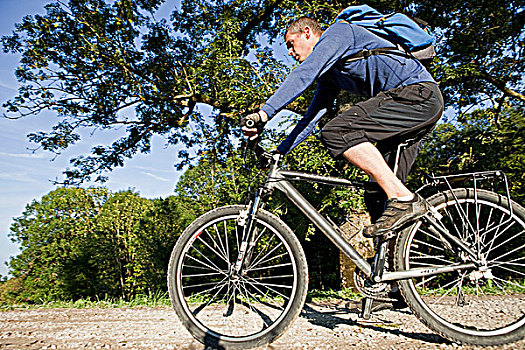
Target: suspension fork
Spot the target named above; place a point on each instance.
(249, 230)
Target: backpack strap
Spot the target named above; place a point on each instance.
(397, 50)
(363, 54)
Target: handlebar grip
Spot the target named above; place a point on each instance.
(250, 123)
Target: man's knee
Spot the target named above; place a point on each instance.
(338, 139)
(329, 132)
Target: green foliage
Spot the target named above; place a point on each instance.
(160, 227)
(118, 224)
(10, 290)
(480, 49)
(214, 182)
(56, 236)
(78, 243)
(485, 139)
(101, 65)
(152, 299)
(317, 295)
(107, 64)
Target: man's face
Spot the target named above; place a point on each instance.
(299, 44)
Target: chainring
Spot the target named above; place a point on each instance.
(376, 291)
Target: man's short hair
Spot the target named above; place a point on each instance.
(299, 24)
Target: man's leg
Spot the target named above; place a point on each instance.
(367, 157)
(375, 197)
(402, 205)
(387, 116)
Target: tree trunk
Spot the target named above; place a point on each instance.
(365, 246)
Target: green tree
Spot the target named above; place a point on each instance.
(102, 65)
(485, 139)
(56, 236)
(160, 228)
(78, 243)
(214, 182)
(480, 47)
(125, 259)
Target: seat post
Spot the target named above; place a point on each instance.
(398, 154)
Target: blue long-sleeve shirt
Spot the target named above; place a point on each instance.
(328, 64)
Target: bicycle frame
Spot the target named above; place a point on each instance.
(279, 179)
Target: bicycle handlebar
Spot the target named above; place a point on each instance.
(264, 158)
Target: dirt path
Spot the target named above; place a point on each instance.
(319, 327)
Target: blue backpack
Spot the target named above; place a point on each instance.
(411, 38)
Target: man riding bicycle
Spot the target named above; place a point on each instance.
(404, 103)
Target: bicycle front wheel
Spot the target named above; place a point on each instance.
(223, 309)
(480, 306)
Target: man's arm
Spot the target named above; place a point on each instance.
(323, 99)
(333, 44)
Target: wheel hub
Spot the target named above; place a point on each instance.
(482, 273)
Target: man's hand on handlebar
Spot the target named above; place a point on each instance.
(253, 124)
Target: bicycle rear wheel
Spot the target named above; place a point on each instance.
(221, 309)
(480, 306)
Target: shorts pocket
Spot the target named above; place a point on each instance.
(354, 137)
(412, 94)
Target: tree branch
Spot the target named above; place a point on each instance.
(500, 84)
(263, 15)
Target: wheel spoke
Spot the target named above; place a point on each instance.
(522, 287)
(269, 267)
(487, 301)
(431, 257)
(510, 239)
(511, 270)
(508, 253)
(221, 255)
(226, 304)
(204, 285)
(429, 245)
(262, 259)
(211, 266)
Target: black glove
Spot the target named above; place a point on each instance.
(253, 121)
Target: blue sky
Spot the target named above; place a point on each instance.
(25, 176)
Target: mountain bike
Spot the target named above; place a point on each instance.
(238, 275)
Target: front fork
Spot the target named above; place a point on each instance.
(247, 220)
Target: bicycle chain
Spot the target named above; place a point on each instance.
(376, 291)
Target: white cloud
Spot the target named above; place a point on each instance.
(156, 177)
(19, 176)
(25, 155)
(7, 87)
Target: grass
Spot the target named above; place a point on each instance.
(161, 299)
(318, 295)
(157, 299)
(487, 288)
(152, 299)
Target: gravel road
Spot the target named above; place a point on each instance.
(328, 326)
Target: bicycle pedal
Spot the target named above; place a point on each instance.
(388, 236)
